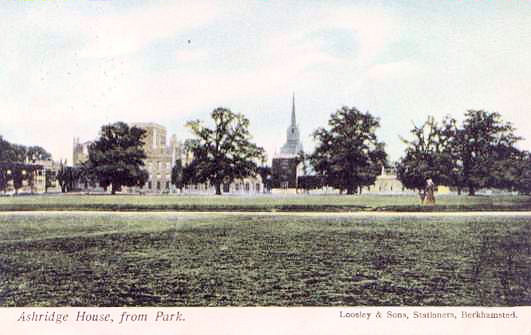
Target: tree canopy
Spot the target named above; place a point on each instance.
(222, 153)
(348, 154)
(117, 157)
(425, 158)
(10, 152)
(480, 153)
(483, 142)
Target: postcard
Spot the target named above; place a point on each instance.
(265, 167)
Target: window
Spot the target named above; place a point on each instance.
(150, 185)
(247, 187)
(167, 185)
(158, 184)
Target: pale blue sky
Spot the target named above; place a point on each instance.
(67, 67)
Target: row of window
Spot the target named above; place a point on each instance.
(160, 165)
(158, 184)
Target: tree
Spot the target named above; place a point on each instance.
(17, 173)
(67, 176)
(37, 153)
(483, 143)
(7, 153)
(521, 173)
(266, 174)
(10, 152)
(177, 175)
(51, 178)
(223, 153)
(426, 157)
(309, 182)
(6, 174)
(348, 155)
(480, 153)
(117, 157)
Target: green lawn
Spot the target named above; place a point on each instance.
(261, 202)
(210, 259)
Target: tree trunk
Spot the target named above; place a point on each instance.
(218, 188)
(113, 189)
(471, 190)
(459, 191)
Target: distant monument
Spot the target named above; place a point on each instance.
(284, 169)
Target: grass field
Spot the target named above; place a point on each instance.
(212, 259)
(261, 203)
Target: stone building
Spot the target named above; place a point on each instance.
(161, 155)
(285, 168)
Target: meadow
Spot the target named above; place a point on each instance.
(260, 202)
(264, 259)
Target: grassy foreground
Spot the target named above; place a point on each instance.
(317, 203)
(208, 259)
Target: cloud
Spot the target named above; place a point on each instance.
(66, 70)
(133, 30)
(189, 56)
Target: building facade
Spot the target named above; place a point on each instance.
(161, 156)
(285, 167)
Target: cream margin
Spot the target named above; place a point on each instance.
(269, 320)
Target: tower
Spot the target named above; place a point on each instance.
(293, 143)
(284, 168)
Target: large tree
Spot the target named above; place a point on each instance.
(177, 174)
(521, 173)
(117, 157)
(478, 154)
(426, 157)
(484, 141)
(222, 153)
(348, 154)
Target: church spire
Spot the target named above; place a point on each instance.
(293, 120)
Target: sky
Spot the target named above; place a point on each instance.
(67, 67)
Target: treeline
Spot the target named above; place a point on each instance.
(481, 152)
(10, 152)
(15, 167)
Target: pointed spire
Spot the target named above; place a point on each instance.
(293, 120)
